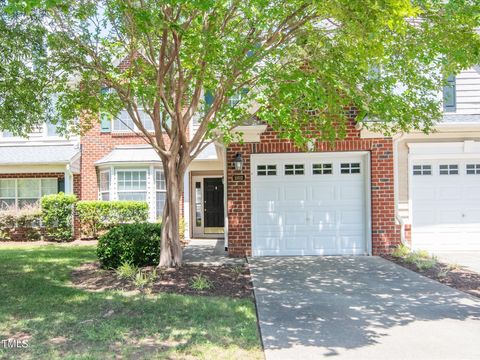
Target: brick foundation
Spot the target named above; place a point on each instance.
(385, 232)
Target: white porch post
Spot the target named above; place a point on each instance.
(68, 178)
(186, 204)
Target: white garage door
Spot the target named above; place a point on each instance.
(446, 204)
(309, 204)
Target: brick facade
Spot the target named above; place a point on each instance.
(385, 232)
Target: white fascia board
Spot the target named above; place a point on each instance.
(251, 133)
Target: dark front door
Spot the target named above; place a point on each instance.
(213, 202)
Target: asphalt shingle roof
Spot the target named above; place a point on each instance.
(37, 154)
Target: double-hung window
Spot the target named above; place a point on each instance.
(22, 192)
(124, 123)
(104, 185)
(132, 185)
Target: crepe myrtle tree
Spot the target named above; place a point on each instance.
(293, 64)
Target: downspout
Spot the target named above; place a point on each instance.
(398, 218)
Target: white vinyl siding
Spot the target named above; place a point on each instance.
(22, 192)
(467, 86)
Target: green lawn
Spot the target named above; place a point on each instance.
(37, 302)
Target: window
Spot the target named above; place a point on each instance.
(294, 169)
(22, 192)
(322, 169)
(266, 170)
(350, 168)
(124, 123)
(422, 169)
(132, 185)
(7, 193)
(51, 129)
(198, 203)
(448, 169)
(473, 169)
(161, 191)
(104, 185)
(449, 96)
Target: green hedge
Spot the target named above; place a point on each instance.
(21, 224)
(97, 216)
(57, 212)
(136, 244)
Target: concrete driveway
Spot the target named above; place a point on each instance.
(468, 259)
(360, 308)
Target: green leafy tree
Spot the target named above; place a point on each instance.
(293, 64)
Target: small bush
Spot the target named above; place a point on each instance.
(21, 224)
(200, 282)
(401, 251)
(97, 216)
(57, 212)
(126, 271)
(136, 244)
(143, 278)
(421, 259)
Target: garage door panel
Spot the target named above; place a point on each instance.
(324, 192)
(449, 193)
(326, 243)
(445, 208)
(267, 193)
(310, 214)
(296, 242)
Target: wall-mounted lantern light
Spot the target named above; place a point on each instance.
(238, 162)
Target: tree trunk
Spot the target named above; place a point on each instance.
(171, 249)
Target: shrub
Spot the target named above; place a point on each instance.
(21, 224)
(57, 212)
(97, 216)
(126, 271)
(401, 251)
(137, 244)
(201, 282)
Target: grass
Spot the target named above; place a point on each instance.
(37, 302)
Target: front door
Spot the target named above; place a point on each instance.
(213, 205)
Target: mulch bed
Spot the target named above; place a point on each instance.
(457, 278)
(227, 281)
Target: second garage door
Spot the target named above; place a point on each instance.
(309, 204)
(446, 204)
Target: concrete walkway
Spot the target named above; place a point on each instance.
(468, 259)
(360, 308)
(209, 253)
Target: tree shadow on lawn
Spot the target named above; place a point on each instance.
(350, 302)
(37, 302)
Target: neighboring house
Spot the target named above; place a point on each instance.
(438, 175)
(266, 197)
(44, 163)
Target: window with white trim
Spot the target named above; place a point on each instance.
(473, 169)
(22, 192)
(350, 168)
(160, 192)
(294, 169)
(104, 185)
(322, 169)
(266, 170)
(132, 185)
(449, 169)
(124, 123)
(422, 169)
